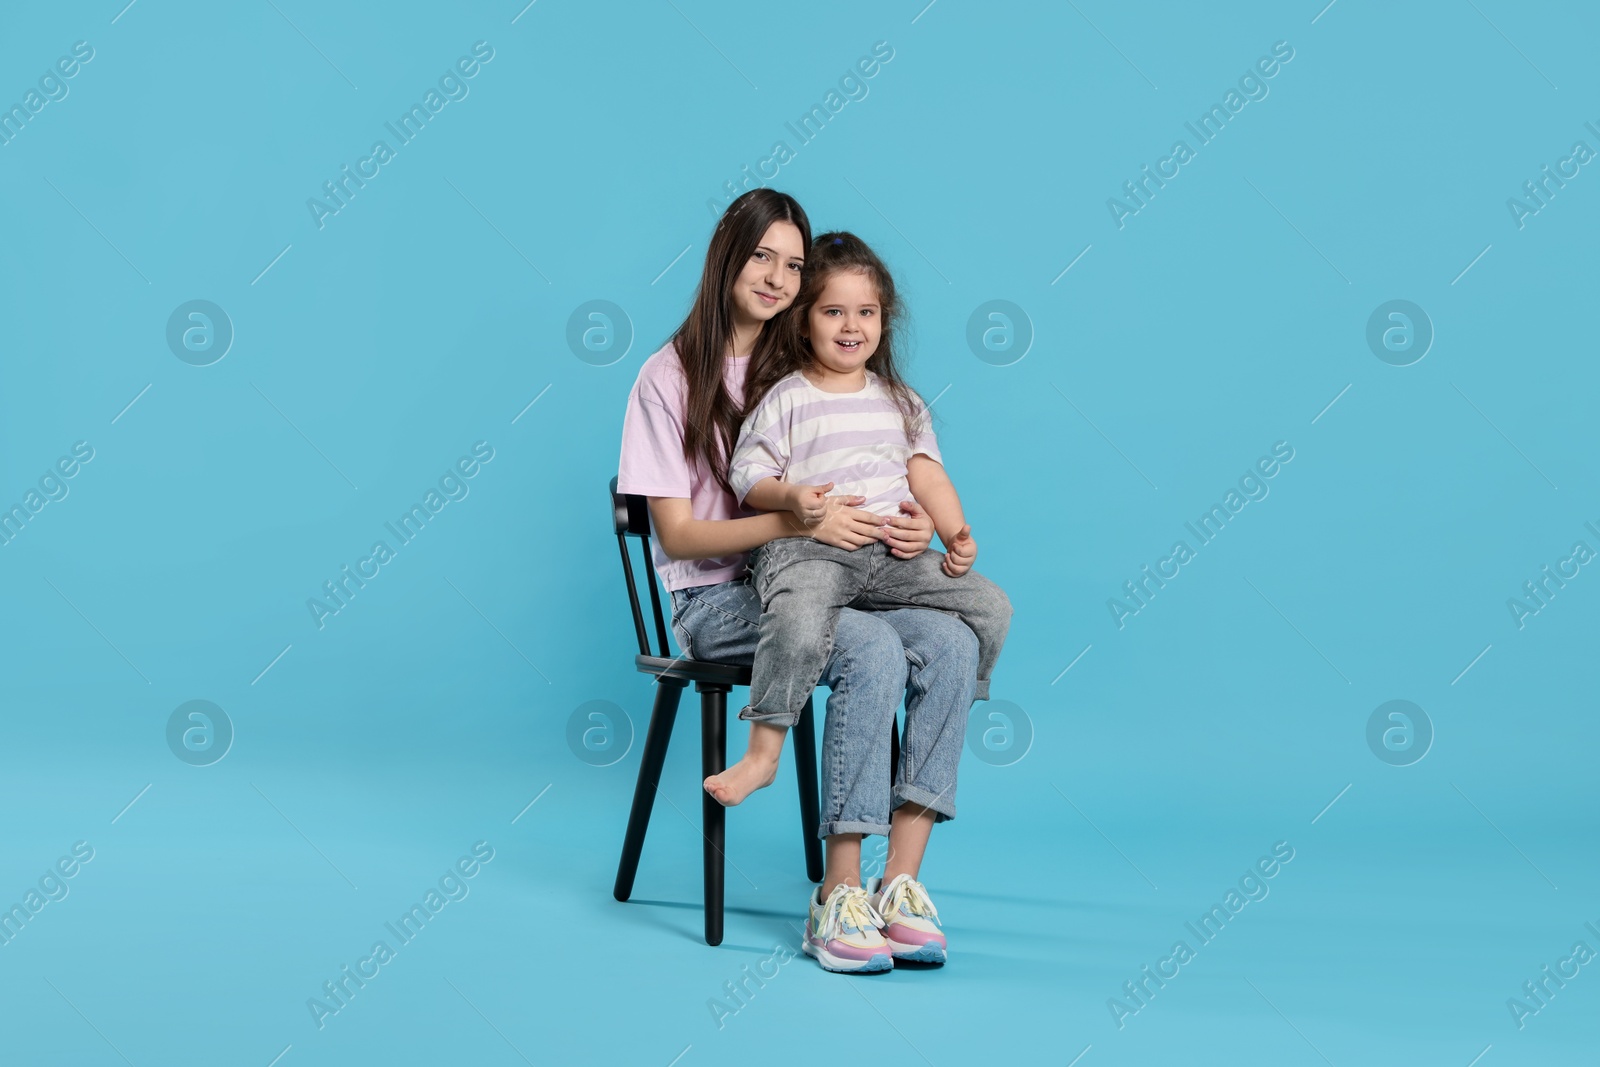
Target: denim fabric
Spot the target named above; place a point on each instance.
(804, 584)
(928, 657)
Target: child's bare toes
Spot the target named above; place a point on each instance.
(733, 785)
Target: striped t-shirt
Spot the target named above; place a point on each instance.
(805, 436)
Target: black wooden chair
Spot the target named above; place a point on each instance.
(631, 517)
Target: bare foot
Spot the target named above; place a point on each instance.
(752, 772)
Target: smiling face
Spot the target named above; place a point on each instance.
(770, 279)
(845, 322)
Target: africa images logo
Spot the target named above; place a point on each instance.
(452, 87)
(1205, 129)
(453, 486)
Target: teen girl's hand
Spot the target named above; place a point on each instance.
(844, 525)
(908, 534)
(960, 553)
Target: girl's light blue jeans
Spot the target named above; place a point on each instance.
(928, 657)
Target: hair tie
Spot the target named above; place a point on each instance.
(838, 240)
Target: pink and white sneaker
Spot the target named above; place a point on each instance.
(842, 933)
(910, 921)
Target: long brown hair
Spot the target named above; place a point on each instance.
(834, 253)
(711, 424)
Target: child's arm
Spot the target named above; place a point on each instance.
(932, 488)
(769, 494)
(760, 460)
(682, 536)
(806, 502)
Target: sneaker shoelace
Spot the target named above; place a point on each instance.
(851, 909)
(913, 899)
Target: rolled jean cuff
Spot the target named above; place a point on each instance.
(788, 720)
(850, 826)
(943, 808)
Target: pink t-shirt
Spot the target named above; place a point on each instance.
(652, 463)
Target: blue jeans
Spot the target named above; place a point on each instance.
(928, 657)
(804, 583)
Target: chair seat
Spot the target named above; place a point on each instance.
(693, 670)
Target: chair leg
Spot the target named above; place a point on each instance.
(805, 772)
(713, 760)
(662, 716)
(894, 750)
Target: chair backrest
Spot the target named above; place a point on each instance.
(630, 517)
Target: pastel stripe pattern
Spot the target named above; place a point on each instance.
(805, 436)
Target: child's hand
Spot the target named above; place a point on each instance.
(960, 553)
(810, 502)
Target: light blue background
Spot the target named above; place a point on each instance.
(426, 315)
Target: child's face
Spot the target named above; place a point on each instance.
(770, 279)
(845, 322)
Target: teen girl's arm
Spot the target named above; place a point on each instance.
(682, 536)
(908, 534)
(842, 524)
(935, 492)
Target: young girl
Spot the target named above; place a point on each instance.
(843, 417)
(682, 419)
